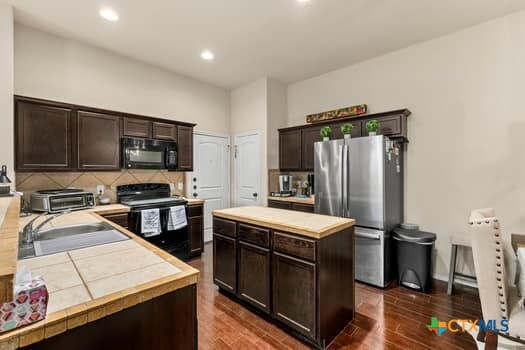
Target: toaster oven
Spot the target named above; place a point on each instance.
(55, 201)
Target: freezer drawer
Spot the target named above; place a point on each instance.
(372, 249)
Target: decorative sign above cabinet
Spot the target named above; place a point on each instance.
(57, 136)
(337, 113)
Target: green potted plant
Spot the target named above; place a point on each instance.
(346, 129)
(372, 126)
(326, 132)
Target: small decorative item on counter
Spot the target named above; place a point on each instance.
(346, 129)
(29, 304)
(372, 126)
(337, 113)
(326, 132)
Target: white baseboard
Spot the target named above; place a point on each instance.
(458, 280)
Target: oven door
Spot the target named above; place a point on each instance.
(148, 154)
(173, 242)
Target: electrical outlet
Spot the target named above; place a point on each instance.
(180, 186)
(100, 189)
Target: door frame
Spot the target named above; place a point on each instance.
(189, 174)
(234, 164)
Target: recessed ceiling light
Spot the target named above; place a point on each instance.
(108, 14)
(207, 55)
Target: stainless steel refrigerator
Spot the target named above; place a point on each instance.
(362, 178)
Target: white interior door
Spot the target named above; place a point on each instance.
(247, 158)
(210, 179)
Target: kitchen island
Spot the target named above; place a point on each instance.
(294, 268)
(128, 294)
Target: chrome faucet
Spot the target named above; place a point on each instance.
(29, 232)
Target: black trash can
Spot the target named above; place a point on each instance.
(414, 258)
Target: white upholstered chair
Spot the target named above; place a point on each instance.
(498, 299)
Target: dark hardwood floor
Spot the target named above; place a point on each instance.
(394, 318)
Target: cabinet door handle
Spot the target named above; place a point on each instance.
(255, 194)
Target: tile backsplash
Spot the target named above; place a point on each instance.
(29, 182)
(273, 178)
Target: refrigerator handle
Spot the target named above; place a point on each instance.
(344, 179)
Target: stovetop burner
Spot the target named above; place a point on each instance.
(147, 195)
(160, 201)
(61, 191)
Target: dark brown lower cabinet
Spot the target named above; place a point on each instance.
(303, 284)
(166, 322)
(294, 293)
(225, 262)
(254, 275)
(119, 219)
(196, 235)
(195, 230)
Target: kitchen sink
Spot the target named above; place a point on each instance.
(66, 238)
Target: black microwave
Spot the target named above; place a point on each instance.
(148, 154)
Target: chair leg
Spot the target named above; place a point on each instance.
(452, 268)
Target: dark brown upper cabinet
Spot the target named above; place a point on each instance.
(164, 131)
(296, 144)
(290, 149)
(98, 141)
(43, 137)
(309, 137)
(57, 136)
(135, 127)
(185, 148)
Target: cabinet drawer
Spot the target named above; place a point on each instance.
(279, 204)
(255, 235)
(308, 208)
(194, 210)
(224, 227)
(293, 245)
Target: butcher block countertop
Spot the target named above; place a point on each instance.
(87, 284)
(305, 224)
(308, 200)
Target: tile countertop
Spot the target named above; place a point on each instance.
(309, 200)
(87, 284)
(301, 223)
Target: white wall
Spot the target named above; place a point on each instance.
(248, 105)
(51, 67)
(466, 133)
(6, 89)
(276, 119)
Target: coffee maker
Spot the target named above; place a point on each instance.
(285, 184)
(311, 181)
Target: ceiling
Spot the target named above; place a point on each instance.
(283, 39)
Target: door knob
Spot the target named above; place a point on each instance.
(195, 195)
(255, 194)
